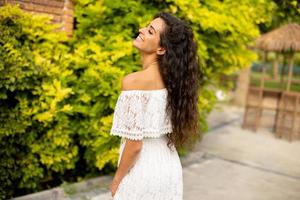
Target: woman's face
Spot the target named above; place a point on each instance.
(149, 37)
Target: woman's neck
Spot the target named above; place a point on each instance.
(149, 61)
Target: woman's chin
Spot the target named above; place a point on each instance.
(136, 44)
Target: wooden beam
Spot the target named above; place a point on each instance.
(291, 65)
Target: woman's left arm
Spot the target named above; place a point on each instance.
(130, 153)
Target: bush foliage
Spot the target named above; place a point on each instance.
(57, 94)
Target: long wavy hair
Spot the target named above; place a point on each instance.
(180, 71)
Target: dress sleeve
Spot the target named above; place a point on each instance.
(128, 118)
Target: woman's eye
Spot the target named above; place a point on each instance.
(150, 32)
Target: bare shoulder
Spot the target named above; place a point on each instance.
(134, 81)
(141, 80)
(129, 82)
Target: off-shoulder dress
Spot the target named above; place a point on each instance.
(157, 172)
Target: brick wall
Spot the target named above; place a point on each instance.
(61, 11)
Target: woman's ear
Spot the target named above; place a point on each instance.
(160, 51)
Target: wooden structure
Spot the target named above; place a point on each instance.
(61, 11)
(286, 104)
(288, 118)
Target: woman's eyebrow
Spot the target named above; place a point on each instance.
(152, 28)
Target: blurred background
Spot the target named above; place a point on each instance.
(61, 63)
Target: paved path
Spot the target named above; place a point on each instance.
(240, 164)
(230, 163)
(236, 164)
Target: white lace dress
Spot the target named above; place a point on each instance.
(157, 172)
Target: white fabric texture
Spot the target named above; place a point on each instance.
(157, 172)
(141, 113)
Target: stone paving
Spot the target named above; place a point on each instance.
(236, 164)
(242, 165)
(229, 163)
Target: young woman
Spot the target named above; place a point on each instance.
(156, 112)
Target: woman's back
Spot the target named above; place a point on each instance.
(157, 174)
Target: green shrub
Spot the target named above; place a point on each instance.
(57, 95)
(56, 106)
(34, 137)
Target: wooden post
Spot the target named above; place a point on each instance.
(294, 120)
(262, 78)
(240, 94)
(283, 68)
(261, 91)
(275, 67)
(291, 65)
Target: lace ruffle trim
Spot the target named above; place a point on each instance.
(140, 136)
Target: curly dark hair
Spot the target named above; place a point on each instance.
(180, 71)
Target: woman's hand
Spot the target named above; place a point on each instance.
(114, 186)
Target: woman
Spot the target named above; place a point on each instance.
(156, 112)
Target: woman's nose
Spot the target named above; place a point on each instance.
(141, 30)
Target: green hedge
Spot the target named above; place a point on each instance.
(57, 94)
(33, 106)
(55, 117)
